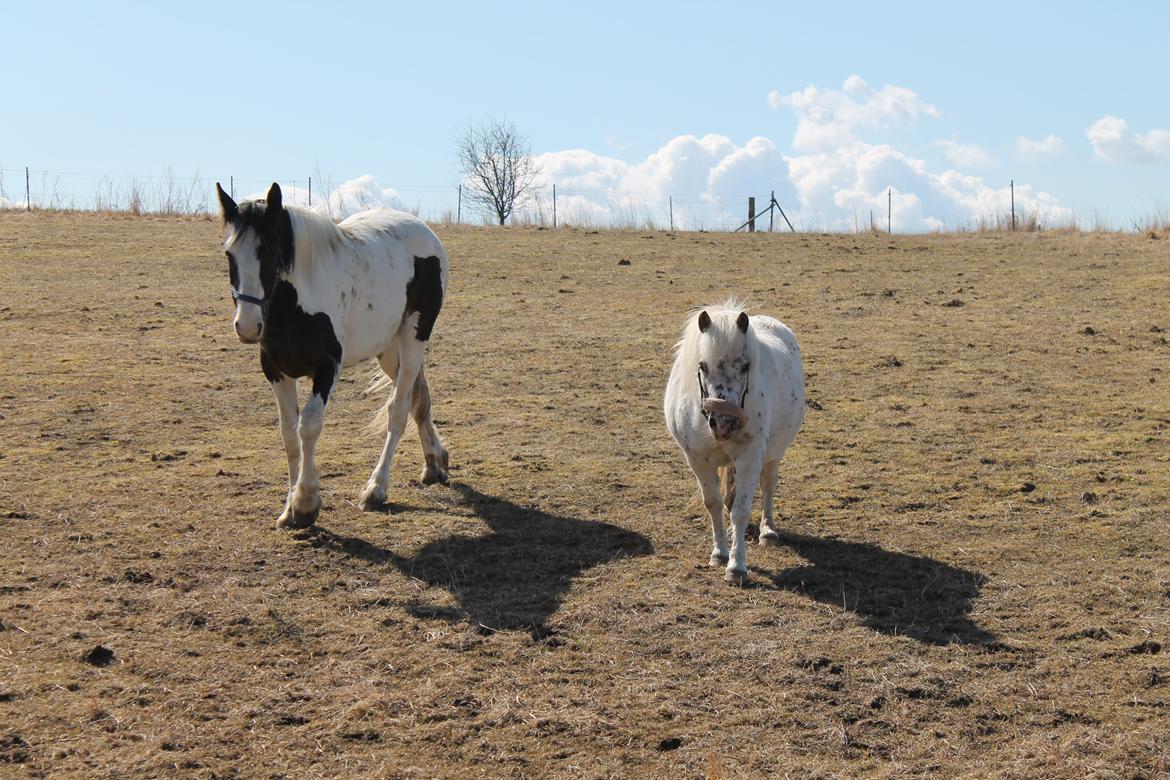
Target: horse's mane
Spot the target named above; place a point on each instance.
(312, 232)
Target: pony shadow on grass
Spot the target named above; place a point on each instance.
(893, 593)
(514, 577)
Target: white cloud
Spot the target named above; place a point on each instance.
(828, 119)
(360, 194)
(1028, 149)
(1113, 143)
(708, 178)
(833, 181)
(967, 155)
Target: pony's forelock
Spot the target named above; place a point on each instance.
(723, 328)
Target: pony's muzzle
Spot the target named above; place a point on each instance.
(724, 417)
(723, 426)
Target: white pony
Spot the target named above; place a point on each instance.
(735, 400)
(319, 297)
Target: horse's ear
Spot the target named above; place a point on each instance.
(742, 321)
(704, 321)
(229, 207)
(274, 201)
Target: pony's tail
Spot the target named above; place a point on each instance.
(726, 486)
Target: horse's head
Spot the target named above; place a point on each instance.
(257, 245)
(725, 352)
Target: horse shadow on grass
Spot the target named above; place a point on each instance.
(893, 593)
(513, 578)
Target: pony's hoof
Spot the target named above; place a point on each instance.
(769, 539)
(718, 560)
(372, 499)
(291, 520)
(737, 577)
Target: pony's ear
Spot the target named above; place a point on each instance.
(273, 200)
(229, 207)
(742, 321)
(704, 321)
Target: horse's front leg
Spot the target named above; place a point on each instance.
(708, 479)
(747, 476)
(306, 497)
(285, 390)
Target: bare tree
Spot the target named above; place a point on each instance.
(498, 166)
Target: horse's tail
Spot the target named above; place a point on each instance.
(420, 399)
(726, 486)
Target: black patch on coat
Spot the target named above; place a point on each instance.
(296, 344)
(424, 295)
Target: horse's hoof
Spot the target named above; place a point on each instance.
(769, 539)
(434, 472)
(737, 577)
(293, 520)
(718, 560)
(372, 499)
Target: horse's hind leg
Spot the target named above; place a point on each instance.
(769, 536)
(434, 453)
(406, 362)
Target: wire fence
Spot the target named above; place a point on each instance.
(551, 205)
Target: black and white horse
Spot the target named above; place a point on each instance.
(319, 297)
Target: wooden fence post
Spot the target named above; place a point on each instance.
(751, 214)
(1013, 186)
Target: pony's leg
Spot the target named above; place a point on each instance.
(285, 390)
(410, 354)
(769, 537)
(434, 453)
(747, 475)
(306, 497)
(708, 479)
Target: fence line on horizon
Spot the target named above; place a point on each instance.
(550, 205)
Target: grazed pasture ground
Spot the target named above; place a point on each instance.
(975, 580)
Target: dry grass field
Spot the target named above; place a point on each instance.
(975, 579)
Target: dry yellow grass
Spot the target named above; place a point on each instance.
(975, 582)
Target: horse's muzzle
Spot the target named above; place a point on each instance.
(249, 336)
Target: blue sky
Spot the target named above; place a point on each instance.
(658, 100)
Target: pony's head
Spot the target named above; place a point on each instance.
(724, 349)
(258, 246)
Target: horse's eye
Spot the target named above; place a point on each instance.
(746, 366)
(703, 366)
